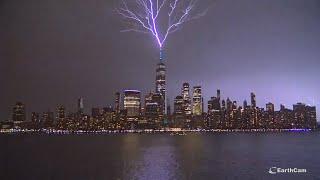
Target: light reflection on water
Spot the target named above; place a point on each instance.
(154, 160)
(158, 156)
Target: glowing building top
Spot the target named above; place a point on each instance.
(197, 101)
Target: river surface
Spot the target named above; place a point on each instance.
(160, 156)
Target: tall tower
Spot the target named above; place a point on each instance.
(219, 94)
(161, 82)
(80, 105)
(197, 101)
(253, 100)
(186, 98)
(19, 113)
(61, 115)
(117, 102)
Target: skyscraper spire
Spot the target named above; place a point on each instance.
(161, 82)
(161, 54)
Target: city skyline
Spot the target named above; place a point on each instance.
(131, 112)
(159, 89)
(119, 98)
(141, 100)
(78, 54)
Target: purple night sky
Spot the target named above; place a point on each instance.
(52, 52)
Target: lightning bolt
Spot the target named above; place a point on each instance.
(142, 16)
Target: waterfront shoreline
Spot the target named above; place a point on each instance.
(147, 131)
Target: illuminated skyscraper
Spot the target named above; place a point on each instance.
(61, 117)
(186, 91)
(311, 117)
(253, 100)
(47, 119)
(299, 111)
(117, 102)
(148, 99)
(197, 101)
(270, 107)
(35, 117)
(254, 113)
(178, 112)
(107, 113)
(270, 116)
(161, 83)
(132, 102)
(186, 98)
(152, 107)
(19, 113)
(95, 112)
(223, 105)
(178, 105)
(214, 112)
(304, 116)
(60, 113)
(214, 104)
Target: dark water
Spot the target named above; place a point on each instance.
(159, 156)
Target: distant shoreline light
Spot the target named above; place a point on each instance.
(171, 130)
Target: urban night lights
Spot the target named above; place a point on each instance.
(133, 111)
(159, 89)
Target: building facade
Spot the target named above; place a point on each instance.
(161, 84)
(132, 102)
(186, 98)
(19, 112)
(197, 106)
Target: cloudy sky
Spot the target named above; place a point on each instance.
(52, 52)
